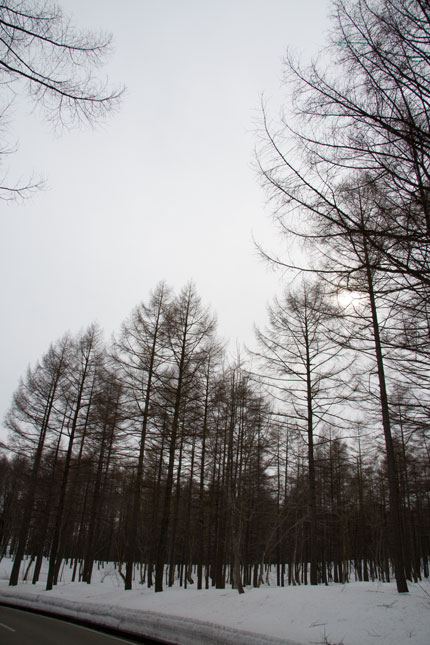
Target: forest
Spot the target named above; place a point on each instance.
(306, 454)
(158, 451)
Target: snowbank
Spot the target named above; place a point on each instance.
(358, 613)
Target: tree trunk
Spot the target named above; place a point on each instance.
(396, 542)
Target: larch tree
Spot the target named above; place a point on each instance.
(31, 421)
(106, 436)
(189, 330)
(42, 56)
(301, 363)
(139, 355)
(76, 399)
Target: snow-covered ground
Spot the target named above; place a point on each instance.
(359, 613)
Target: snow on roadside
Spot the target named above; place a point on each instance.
(360, 613)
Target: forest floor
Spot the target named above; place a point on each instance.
(358, 613)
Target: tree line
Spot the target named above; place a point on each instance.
(158, 453)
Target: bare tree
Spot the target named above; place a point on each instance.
(138, 354)
(300, 362)
(366, 113)
(45, 58)
(77, 396)
(189, 330)
(30, 423)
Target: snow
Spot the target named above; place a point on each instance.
(358, 613)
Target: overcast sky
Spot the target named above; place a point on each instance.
(165, 189)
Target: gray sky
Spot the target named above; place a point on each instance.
(165, 189)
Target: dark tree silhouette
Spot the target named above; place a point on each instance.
(43, 57)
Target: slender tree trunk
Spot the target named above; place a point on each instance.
(135, 512)
(311, 467)
(106, 437)
(31, 492)
(394, 501)
(60, 510)
(201, 520)
(174, 524)
(165, 514)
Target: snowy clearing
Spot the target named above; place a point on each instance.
(360, 613)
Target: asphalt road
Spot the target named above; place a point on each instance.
(18, 627)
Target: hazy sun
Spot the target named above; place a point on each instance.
(350, 299)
